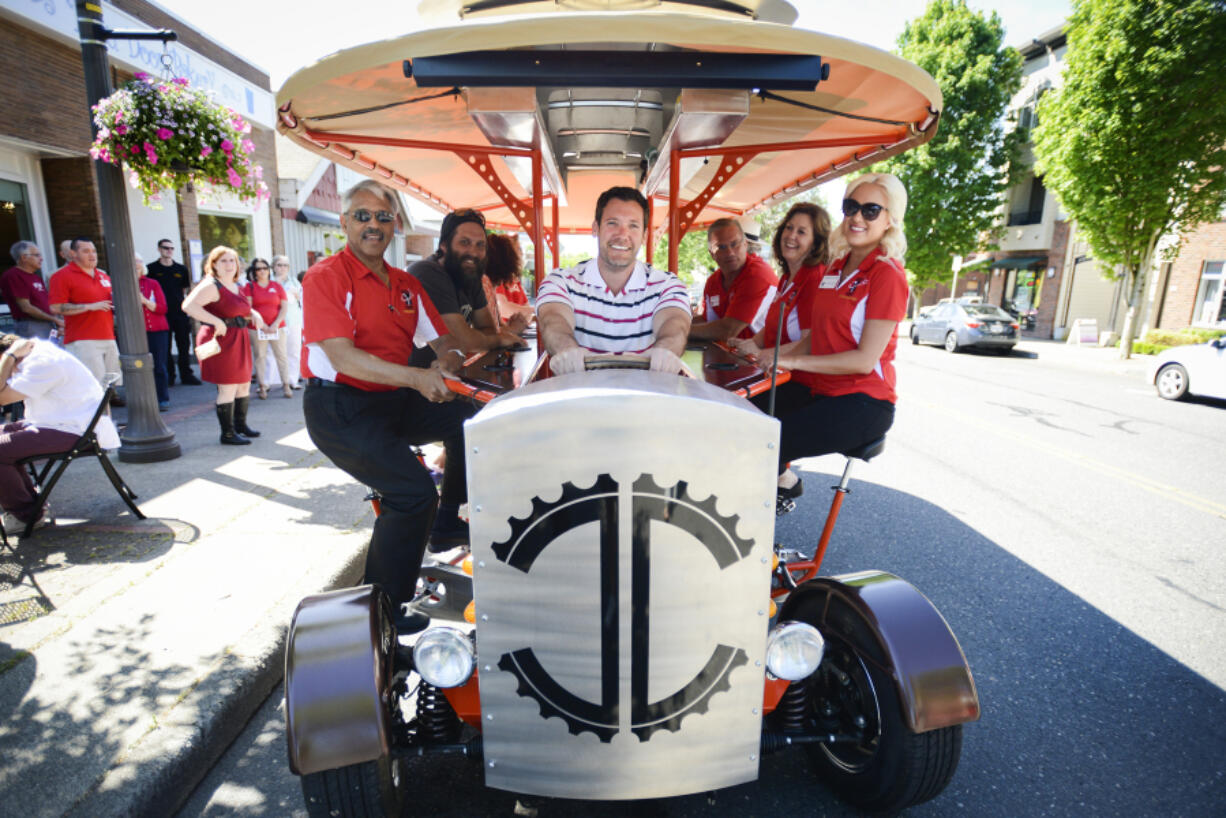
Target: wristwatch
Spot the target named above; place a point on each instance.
(459, 352)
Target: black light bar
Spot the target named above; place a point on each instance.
(619, 69)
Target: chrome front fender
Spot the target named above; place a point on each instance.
(916, 645)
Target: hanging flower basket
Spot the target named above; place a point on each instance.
(169, 135)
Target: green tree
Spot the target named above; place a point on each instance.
(693, 258)
(956, 181)
(1134, 142)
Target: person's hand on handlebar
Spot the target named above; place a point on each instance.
(432, 386)
(663, 360)
(568, 360)
(746, 347)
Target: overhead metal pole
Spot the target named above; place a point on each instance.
(146, 439)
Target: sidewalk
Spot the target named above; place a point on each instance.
(1089, 358)
(142, 647)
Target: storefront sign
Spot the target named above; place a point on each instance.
(60, 17)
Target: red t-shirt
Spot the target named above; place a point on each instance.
(342, 298)
(514, 291)
(877, 289)
(747, 300)
(17, 283)
(793, 299)
(72, 285)
(265, 300)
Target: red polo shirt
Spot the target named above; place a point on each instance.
(748, 299)
(72, 285)
(342, 298)
(877, 289)
(265, 300)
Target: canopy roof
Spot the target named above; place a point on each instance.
(741, 111)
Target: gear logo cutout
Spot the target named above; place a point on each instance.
(600, 503)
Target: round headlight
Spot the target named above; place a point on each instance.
(794, 650)
(444, 657)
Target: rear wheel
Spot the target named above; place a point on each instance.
(914, 336)
(1172, 382)
(951, 342)
(372, 789)
(878, 763)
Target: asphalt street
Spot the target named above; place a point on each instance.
(1067, 523)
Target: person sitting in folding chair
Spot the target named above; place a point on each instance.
(61, 397)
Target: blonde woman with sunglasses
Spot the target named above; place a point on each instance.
(841, 394)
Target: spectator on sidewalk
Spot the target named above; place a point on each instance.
(157, 331)
(270, 301)
(293, 317)
(61, 396)
(218, 303)
(82, 294)
(25, 292)
(175, 280)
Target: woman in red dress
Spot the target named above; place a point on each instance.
(268, 298)
(218, 304)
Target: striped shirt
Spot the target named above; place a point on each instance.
(614, 322)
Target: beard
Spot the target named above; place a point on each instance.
(454, 265)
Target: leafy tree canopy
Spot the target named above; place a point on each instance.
(956, 181)
(1134, 142)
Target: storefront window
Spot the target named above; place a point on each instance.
(1210, 304)
(14, 218)
(231, 231)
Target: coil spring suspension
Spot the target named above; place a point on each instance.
(437, 722)
(789, 714)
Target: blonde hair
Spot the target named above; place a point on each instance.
(894, 242)
(216, 253)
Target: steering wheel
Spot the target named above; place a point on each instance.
(597, 362)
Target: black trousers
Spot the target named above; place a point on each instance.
(181, 329)
(812, 425)
(370, 436)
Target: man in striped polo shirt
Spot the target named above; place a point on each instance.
(614, 303)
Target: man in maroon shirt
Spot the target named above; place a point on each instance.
(25, 292)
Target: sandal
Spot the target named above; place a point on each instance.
(263, 392)
(285, 390)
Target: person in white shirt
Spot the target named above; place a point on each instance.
(614, 303)
(60, 396)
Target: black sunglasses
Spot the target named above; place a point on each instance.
(382, 217)
(257, 269)
(869, 211)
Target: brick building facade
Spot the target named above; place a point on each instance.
(46, 174)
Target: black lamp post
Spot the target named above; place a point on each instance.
(146, 438)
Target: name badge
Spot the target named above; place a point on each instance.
(829, 282)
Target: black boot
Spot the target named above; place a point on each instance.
(240, 418)
(188, 379)
(225, 416)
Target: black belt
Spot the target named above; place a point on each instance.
(238, 321)
(323, 384)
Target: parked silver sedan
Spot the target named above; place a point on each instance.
(956, 326)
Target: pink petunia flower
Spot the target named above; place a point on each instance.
(141, 75)
(235, 179)
(227, 146)
(181, 81)
(205, 151)
(165, 133)
(120, 129)
(248, 145)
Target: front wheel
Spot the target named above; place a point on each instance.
(914, 336)
(372, 789)
(951, 342)
(1172, 382)
(877, 762)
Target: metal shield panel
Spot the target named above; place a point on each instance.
(622, 527)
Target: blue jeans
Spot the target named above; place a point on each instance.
(159, 346)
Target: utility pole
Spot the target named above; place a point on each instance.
(146, 439)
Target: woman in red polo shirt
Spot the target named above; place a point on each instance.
(842, 390)
(268, 298)
(218, 304)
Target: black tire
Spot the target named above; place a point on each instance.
(889, 767)
(951, 342)
(1172, 382)
(372, 789)
(914, 336)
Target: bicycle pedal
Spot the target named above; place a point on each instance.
(783, 505)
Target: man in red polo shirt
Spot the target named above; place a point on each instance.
(366, 408)
(25, 292)
(738, 295)
(82, 294)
